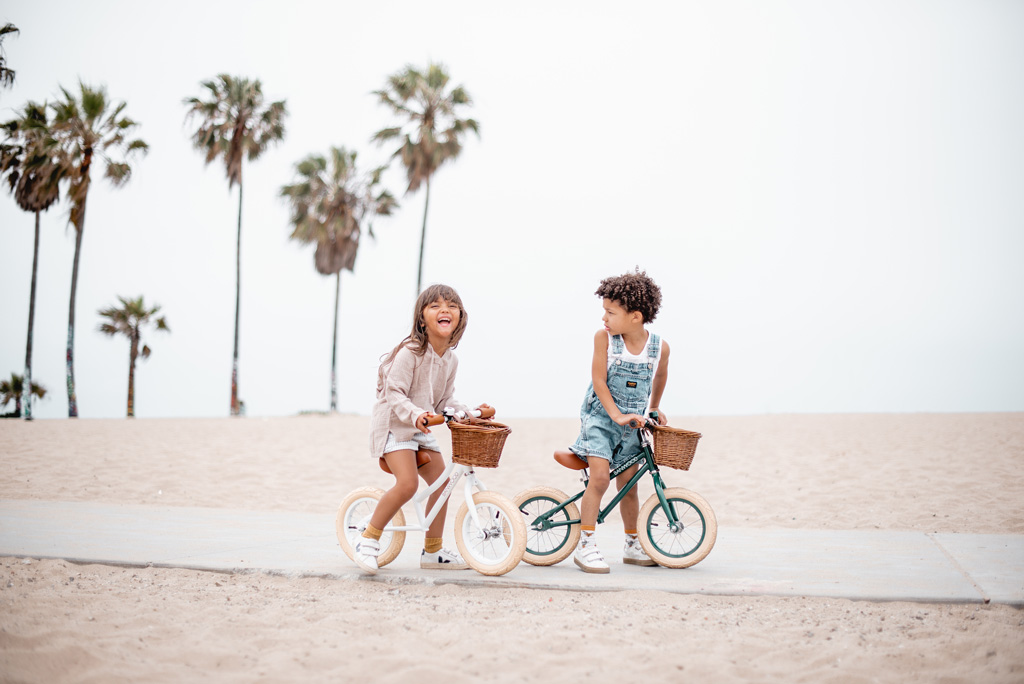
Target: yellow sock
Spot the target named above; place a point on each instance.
(372, 532)
(587, 528)
(432, 544)
(631, 533)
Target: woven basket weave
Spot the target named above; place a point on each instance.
(674, 448)
(478, 444)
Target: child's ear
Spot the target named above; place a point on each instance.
(638, 317)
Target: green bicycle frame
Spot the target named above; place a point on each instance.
(544, 522)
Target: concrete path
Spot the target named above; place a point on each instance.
(857, 564)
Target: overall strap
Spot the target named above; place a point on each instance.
(654, 347)
(618, 346)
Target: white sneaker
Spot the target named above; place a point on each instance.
(634, 554)
(366, 554)
(589, 558)
(442, 560)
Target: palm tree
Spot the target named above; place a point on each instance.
(330, 202)
(88, 127)
(6, 75)
(31, 160)
(128, 320)
(13, 389)
(234, 122)
(432, 131)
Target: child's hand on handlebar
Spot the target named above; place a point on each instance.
(480, 414)
(630, 420)
(662, 419)
(486, 412)
(422, 423)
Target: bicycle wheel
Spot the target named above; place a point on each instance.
(497, 544)
(555, 544)
(682, 547)
(353, 517)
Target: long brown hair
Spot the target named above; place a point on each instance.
(417, 339)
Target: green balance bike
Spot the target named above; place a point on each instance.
(676, 526)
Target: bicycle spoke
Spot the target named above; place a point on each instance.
(491, 542)
(543, 541)
(684, 540)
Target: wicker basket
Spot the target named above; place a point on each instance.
(674, 448)
(478, 444)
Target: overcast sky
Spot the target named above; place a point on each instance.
(830, 194)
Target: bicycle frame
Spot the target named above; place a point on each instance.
(647, 465)
(451, 475)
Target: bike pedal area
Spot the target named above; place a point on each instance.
(873, 565)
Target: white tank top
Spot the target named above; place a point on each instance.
(634, 358)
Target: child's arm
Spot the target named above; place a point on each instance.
(599, 375)
(660, 380)
(398, 384)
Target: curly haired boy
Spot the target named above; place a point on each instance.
(629, 373)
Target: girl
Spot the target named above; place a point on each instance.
(415, 380)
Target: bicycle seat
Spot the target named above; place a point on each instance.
(570, 460)
(422, 459)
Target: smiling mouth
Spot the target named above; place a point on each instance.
(444, 320)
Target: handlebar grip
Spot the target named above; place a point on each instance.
(434, 419)
(484, 412)
(634, 423)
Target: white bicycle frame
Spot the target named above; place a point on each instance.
(452, 474)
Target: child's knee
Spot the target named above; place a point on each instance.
(598, 482)
(405, 489)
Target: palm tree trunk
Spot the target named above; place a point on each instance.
(72, 400)
(423, 241)
(133, 354)
(79, 224)
(235, 408)
(31, 323)
(334, 346)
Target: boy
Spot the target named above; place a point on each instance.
(629, 372)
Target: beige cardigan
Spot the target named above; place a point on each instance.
(413, 385)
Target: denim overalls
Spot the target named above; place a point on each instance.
(630, 384)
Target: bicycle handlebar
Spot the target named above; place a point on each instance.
(438, 418)
(653, 420)
(433, 419)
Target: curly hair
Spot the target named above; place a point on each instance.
(634, 291)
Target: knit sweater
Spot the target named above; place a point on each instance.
(413, 385)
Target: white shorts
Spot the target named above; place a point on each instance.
(420, 440)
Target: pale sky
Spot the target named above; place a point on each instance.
(830, 195)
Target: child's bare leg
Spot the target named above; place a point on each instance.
(629, 505)
(587, 555)
(629, 508)
(590, 504)
(430, 472)
(435, 556)
(403, 465)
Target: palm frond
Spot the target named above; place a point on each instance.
(234, 123)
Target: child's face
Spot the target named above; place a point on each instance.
(441, 317)
(617, 320)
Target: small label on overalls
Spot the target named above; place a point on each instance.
(631, 383)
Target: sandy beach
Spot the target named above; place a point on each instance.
(61, 622)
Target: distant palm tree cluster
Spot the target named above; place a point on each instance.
(50, 147)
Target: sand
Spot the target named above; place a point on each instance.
(61, 622)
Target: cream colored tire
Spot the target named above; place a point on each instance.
(551, 546)
(353, 517)
(686, 546)
(496, 546)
